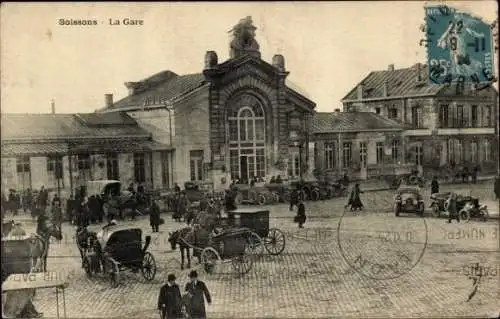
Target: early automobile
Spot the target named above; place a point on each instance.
(259, 195)
(467, 206)
(409, 199)
(114, 249)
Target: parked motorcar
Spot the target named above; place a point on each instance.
(409, 199)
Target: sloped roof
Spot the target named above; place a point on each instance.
(162, 87)
(106, 119)
(400, 82)
(61, 126)
(352, 122)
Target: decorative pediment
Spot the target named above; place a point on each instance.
(250, 69)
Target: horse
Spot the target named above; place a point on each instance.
(189, 237)
(40, 243)
(7, 227)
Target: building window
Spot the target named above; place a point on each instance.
(196, 165)
(487, 116)
(380, 152)
(459, 120)
(294, 165)
(112, 166)
(419, 155)
(473, 152)
(416, 114)
(55, 172)
(83, 165)
(165, 172)
(362, 153)
(487, 150)
(347, 154)
(393, 113)
(377, 110)
(246, 138)
(443, 116)
(330, 160)
(395, 151)
(140, 167)
(474, 117)
(458, 151)
(23, 172)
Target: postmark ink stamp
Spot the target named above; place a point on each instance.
(380, 254)
(459, 48)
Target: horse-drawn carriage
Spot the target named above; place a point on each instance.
(259, 195)
(114, 249)
(241, 235)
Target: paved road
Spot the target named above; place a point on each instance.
(314, 277)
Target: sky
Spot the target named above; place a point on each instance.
(328, 47)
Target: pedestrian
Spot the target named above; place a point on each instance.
(229, 200)
(182, 206)
(452, 208)
(279, 180)
(301, 214)
(475, 170)
(197, 290)
(43, 198)
(496, 187)
(28, 200)
(355, 199)
(56, 210)
(177, 189)
(154, 216)
(294, 198)
(434, 185)
(169, 300)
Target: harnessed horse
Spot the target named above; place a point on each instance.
(40, 243)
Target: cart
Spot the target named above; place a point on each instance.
(243, 233)
(115, 249)
(18, 289)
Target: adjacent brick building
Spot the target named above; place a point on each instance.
(443, 127)
(234, 119)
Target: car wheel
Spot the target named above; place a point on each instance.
(464, 215)
(436, 212)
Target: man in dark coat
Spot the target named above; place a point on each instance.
(355, 199)
(301, 214)
(56, 210)
(452, 208)
(196, 290)
(154, 216)
(43, 198)
(294, 198)
(169, 300)
(434, 185)
(496, 187)
(28, 201)
(229, 200)
(182, 206)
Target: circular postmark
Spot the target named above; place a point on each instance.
(382, 247)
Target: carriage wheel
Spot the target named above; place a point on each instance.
(237, 198)
(243, 264)
(209, 258)
(315, 195)
(113, 271)
(483, 212)
(275, 241)
(435, 211)
(464, 215)
(254, 243)
(261, 199)
(148, 266)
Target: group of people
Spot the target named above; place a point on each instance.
(171, 302)
(32, 201)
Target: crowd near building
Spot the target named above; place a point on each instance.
(240, 119)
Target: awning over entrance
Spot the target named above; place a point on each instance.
(120, 146)
(33, 149)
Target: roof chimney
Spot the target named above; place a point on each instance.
(390, 67)
(360, 91)
(53, 106)
(108, 99)
(419, 72)
(386, 88)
